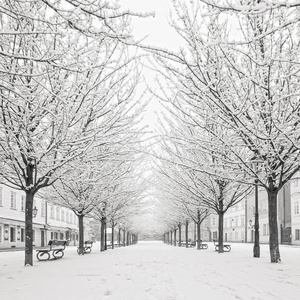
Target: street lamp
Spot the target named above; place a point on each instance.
(250, 223)
(34, 212)
(256, 248)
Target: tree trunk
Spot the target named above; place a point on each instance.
(124, 234)
(179, 233)
(102, 242)
(100, 234)
(81, 235)
(171, 232)
(198, 223)
(221, 231)
(105, 234)
(175, 239)
(119, 237)
(28, 229)
(186, 234)
(112, 237)
(198, 235)
(273, 227)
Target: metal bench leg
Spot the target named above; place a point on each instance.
(58, 253)
(41, 256)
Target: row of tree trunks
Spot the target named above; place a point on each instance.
(124, 239)
(128, 237)
(168, 236)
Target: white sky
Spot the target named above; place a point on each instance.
(159, 31)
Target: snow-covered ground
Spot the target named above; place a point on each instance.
(153, 271)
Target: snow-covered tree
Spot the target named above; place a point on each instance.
(60, 70)
(241, 63)
(196, 171)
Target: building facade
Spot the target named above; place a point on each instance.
(51, 222)
(239, 220)
(295, 209)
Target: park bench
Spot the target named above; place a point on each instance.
(226, 248)
(202, 245)
(190, 244)
(56, 247)
(116, 244)
(87, 248)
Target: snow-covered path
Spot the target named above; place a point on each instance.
(152, 270)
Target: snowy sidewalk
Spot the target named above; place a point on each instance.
(152, 270)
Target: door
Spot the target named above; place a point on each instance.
(43, 238)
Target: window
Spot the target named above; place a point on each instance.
(266, 229)
(62, 217)
(52, 212)
(236, 235)
(225, 224)
(1, 203)
(214, 221)
(57, 213)
(61, 236)
(296, 182)
(232, 223)
(43, 209)
(297, 234)
(296, 207)
(264, 207)
(12, 234)
(13, 200)
(22, 234)
(242, 221)
(18, 233)
(23, 203)
(0, 233)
